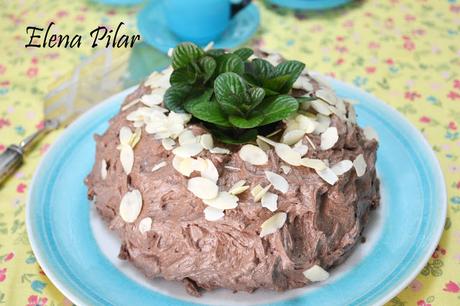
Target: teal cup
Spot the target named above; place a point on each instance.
(200, 21)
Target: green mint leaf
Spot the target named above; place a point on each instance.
(184, 54)
(291, 68)
(305, 99)
(229, 63)
(175, 97)
(205, 109)
(261, 69)
(230, 136)
(185, 75)
(230, 90)
(215, 52)
(244, 53)
(276, 108)
(246, 123)
(277, 83)
(208, 66)
(256, 94)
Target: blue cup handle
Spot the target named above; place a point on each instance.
(236, 7)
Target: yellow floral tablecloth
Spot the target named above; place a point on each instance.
(406, 52)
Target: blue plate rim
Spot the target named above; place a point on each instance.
(402, 283)
(313, 5)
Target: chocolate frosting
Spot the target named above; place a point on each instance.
(323, 223)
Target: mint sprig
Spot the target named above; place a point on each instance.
(235, 97)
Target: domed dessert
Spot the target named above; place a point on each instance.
(235, 170)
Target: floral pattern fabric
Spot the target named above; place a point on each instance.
(406, 52)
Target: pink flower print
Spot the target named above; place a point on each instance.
(34, 300)
(2, 148)
(455, 8)
(5, 83)
(21, 188)
(389, 23)
(439, 252)
(34, 60)
(9, 256)
(422, 303)
(373, 45)
(411, 95)
(370, 70)
(111, 12)
(4, 122)
(340, 38)
(457, 185)
(415, 285)
(340, 61)
(390, 61)
(2, 69)
(409, 17)
(62, 13)
(453, 95)
(408, 44)
(2, 274)
(457, 84)
(348, 24)
(40, 125)
(32, 72)
(425, 119)
(44, 148)
(451, 287)
(80, 17)
(452, 126)
(341, 49)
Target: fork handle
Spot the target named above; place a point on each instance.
(10, 160)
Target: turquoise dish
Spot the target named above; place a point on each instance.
(310, 4)
(151, 22)
(79, 254)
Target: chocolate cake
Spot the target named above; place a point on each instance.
(276, 212)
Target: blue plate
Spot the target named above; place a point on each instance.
(78, 253)
(152, 26)
(310, 4)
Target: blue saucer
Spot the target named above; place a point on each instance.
(152, 26)
(310, 4)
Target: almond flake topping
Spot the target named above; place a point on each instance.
(342, 166)
(145, 225)
(103, 169)
(238, 187)
(286, 169)
(206, 141)
(155, 98)
(306, 124)
(259, 191)
(188, 150)
(168, 143)
(316, 164)
(328, 175)
(213, 214)
(224, 200)
(278, 182)
(321, 107)
(127, 158)
(316, 274)
(209, 171)
(218, 150)
(327, 96)
(253, 155)
(360, 165)
(287, 154)
(301, 148)
(323, 123)
(270, 201)
(158, 166)
(187, 137)
(292, 136)
(203, 188)
(329, 138)
(272, 224)
(232, 168)
(130, 206)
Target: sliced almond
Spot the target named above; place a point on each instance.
(321, 107)
(262, 144)
(103, 169)
(188, 150)
(128, 105)
(327, 96)
(238, 187)
(329, 138)
(287, 154)
(278, 182)
(323, 123)
(272, 224)
(209, 171)
(155, 98)
(328, 175)
(127, 158)
(360, 165)
(158, 166)
(125, 135)
(168, 143)
(312, 144)
(187, 137)
(224, 200)
(301, 148)
(203, 188)
(213, 214)
(286, 169)
(316, 274)
(145, 225)
(218, 150)
(316, 164)
(136, 136)
(253, 155)
(342, 166)
(267, 140)
(130, 206)
(292, 136)
(308, 125)
(206, 141)
(232, 168)
(259, 193)
(270, 201)
(370, 133)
